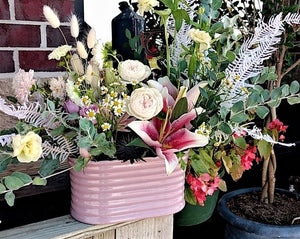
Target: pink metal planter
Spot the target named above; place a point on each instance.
(113, 191)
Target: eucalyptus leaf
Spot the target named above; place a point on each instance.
(238, 107)
(25, 178)
(5, 159)
(294, 87)
(51, 105)
(84, 142)
(294, 100)
(2, 188)
(48, 166)
(13, 183)
(10, 198)
(276, 93)
(262, 111)
(285, 90)
(85, 124)
(224, 127)
(230, 55)
(238, 118)
(39, 181)
(216, 4)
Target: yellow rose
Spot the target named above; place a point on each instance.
(146, 5)
(27, 148)
(201, 37)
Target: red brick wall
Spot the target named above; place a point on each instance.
(26, 38)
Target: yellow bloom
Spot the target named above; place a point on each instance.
(201, 37)
(27, 148)
(146, 5)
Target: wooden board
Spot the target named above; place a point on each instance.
(66, 227)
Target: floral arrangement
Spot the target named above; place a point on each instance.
(200, 96)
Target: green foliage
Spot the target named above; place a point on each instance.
(95, 142)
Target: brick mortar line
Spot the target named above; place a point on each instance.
(24, 22)
(27, 48)
(38, 74)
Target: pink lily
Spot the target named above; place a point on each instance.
(169, 138)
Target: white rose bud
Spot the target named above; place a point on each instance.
(133, 71)
(145, 103)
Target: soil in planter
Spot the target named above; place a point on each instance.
(281, 212)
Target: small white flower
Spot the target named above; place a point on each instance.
(59, 52)
(113, 94)
(86, 100)
(104, 90)
(91, 114)
(106, 126)
(118, 111)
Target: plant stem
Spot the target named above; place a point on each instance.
(167, 50)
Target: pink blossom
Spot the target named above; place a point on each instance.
(248, 157)
(22, 82)
(203, 186)
(278, 125)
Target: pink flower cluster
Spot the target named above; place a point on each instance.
(278, 125)
(22, 82)
(203, 186)
(248, 156)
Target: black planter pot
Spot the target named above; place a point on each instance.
(237, 227)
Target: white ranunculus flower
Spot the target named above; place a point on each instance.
(133, 71)
(27, 148)
(59, 52)
(201, 37)
(145, 103)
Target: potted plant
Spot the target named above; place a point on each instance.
(92, 117)
(237, 98)
(199, 110)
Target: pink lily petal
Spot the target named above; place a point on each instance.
(184, 139)
(183, 120)
(158, 124)
(170, 158)
(165, 82)
(147, 131)
(193, 94)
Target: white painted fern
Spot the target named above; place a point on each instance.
(181, 37)
(6, 139)
(62, 150)
(253, 53)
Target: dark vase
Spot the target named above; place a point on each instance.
(192, 215)
(127, 19)
(237, 227)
